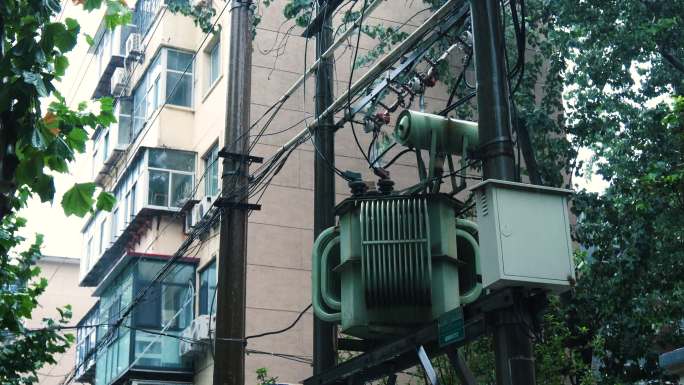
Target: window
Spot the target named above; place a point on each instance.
(211, 163)
(171, 175)
(207, 289)
(179, 78)
(146, 96)
(168, 78)
(131, 213)
(125, 107)
(115, 223)
(214, 63)
(102, 240)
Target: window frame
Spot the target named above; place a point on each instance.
(213, 59)
(208, 308)
(211, 156)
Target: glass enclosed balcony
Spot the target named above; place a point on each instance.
(157, 182)
(145, 342)
(110, 143)
(110, 53)
(86, 340)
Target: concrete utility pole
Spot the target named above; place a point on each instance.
(324, 354)
(513, 346)
(229, 356)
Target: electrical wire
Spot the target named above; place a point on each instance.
(351, 78)
(283, 330)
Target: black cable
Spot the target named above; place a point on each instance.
(301, 314)
(457, 103)
(396, 157)
(351, 77)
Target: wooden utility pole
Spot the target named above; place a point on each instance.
(324, 180)
(229, 356)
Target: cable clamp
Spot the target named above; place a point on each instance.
(228, 203)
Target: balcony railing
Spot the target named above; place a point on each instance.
(158, 181)
(111, 142)
(110, 54)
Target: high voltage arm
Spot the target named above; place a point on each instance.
(376, 71)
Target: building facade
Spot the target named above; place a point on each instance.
(160, 160)
(62, 274)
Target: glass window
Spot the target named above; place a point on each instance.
(102, 240)
(159, 187)
(179, 78)
(172, 159)
(115, 223)
(131, 213)
(207, 289)
(214, 63)
(181, 188)
(211, 171)
(105, 145)
(125, 107)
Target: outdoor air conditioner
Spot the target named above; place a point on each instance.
(205, 205)
(200, 328)
(134, 45)
(186, 346)
(119, 82)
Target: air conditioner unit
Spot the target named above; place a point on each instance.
(205, 205)
(196, 3)
(134, 45)
(201, 328)
(119, 82)
(188, 345)
(194, 216)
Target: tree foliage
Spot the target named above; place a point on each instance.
(37, 142)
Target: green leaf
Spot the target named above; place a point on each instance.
(89, 39)
(105, 201)
(76, 139)
(79, 199)
(36, 81)
(61, 64)
(90, 5)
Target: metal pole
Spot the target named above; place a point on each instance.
(494, 118)
(324, 353)
(229, 356)
(513, 346)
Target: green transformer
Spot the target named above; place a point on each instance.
(393, 263)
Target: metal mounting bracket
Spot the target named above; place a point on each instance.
(227, 203)
(223, 153)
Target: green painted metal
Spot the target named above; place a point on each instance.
(320, 309)
(450, 327)
(425, 131)
(399, 264)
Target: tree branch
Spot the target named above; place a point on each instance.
(670, 58)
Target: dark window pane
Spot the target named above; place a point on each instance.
(159, 188)
(172, 160)
(148, 314)
(181, 188)
(179, 89)
(179, 61)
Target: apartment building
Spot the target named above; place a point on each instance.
(161, 162)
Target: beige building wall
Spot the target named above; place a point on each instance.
(62, 289)
(281, 234)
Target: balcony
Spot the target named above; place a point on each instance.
(86, 340)
(110, 143)
(144, 347)
(157, 182)
(110, 54)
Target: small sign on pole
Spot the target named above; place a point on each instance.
(450, 327)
